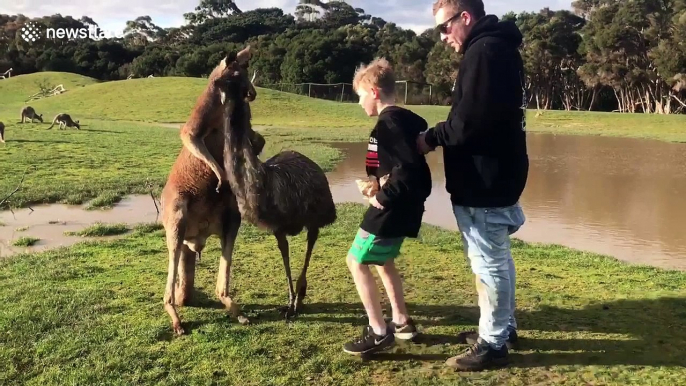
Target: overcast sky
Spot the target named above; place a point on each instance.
(112, 15)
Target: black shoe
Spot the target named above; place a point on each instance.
(511, 342)
(370, 342)
(405, 331)
(478, 357)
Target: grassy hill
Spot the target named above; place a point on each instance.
(17, 89)
(171, 99)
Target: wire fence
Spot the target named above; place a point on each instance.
(406, 92)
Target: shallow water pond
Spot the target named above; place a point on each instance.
(616, 196)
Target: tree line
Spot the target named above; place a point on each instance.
(603, 55)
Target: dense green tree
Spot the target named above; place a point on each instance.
(605, 55)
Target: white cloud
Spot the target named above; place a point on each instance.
(113, 14)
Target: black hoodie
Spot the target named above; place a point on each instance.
(484, 137)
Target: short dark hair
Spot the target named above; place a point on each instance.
(474, 7)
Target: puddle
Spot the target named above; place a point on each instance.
(49, 222)
(616, 196)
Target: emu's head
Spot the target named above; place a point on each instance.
(231, 77)
(236, 92)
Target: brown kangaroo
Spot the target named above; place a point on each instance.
(27, 112)
(193, 209)
(2, 132)
(64, 121)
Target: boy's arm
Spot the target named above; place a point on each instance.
(405, 175)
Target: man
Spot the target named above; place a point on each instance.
(486, 165)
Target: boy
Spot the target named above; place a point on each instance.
(395, 211)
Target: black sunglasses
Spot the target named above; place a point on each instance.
(443, 27)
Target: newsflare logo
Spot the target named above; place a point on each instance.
(30, 32)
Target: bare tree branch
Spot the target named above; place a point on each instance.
(678, 100)
(6, 199)
(150, 187)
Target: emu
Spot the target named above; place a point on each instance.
(193, 208)
(285, 194)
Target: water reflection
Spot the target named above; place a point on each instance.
(616, 196)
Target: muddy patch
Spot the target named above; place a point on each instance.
(49, 223)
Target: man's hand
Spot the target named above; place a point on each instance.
(422, 146)
(373, 202)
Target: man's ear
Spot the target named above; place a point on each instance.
(244, 55)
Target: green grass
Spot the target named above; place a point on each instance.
(170, 100)
(104, 201)
(92, 313)
(584, 319)
(107, 160)
(25, 241)
(17, 89)
(101, 230)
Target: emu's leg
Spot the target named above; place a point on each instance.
(175, 232)
(231, 225)
(283, 247)
(186, 277)
(301, 285)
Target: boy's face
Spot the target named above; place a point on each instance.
(368, 98)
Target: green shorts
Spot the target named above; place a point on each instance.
(370, 249)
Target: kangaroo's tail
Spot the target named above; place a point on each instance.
(53, 123)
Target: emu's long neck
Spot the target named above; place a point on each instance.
(244, 169)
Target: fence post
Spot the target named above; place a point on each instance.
(342, 89)
(405, 92)
(430, 95)
(309, 90)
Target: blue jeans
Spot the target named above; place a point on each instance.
(486, 236)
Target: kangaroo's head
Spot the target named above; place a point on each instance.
(40, 117)
(77, 124)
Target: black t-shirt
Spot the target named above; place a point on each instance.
(392, 149)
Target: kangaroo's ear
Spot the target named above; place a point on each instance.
(244, 55)
(230, 57)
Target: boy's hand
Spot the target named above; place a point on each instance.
(375, 203)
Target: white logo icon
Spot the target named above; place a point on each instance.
(29, 32)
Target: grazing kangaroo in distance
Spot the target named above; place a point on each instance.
(27, 112)
(65, 121)
(2, 132)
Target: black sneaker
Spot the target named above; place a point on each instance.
(511, 342)
(478, 357)
(370, 342)
(405, 331)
